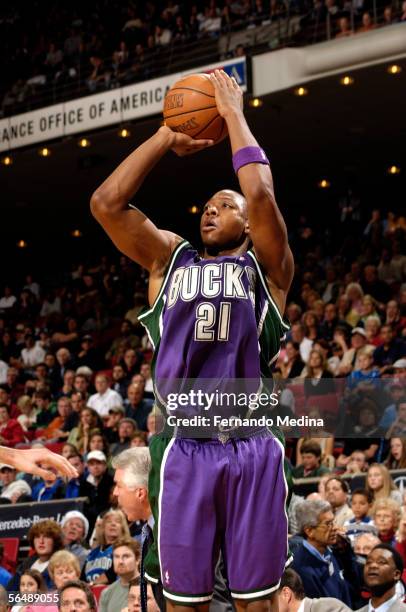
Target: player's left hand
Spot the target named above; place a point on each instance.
(36, 460)
(229, 96)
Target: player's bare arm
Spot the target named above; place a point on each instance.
(131, 231)
(36, 460)
(267, 228)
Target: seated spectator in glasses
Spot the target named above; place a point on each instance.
(76, 595)
(398, 427)
(75, 529)
(361, 502)
(367, 371)
(314, 560)
(126, 557)
(11, 432)
(292, 597)
(380, 484)
(134, 598)
(310, 467)
(386, 516)
(45, 537)
(337, 493)
(397, 454)
(382, 572)
(13, 490)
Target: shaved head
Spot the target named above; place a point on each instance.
(224, 222)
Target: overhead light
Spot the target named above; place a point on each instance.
(77, 233)
(44, 152)
(301, 91)
(7, 160)
(124, 133)
(347, 80)
(255, 102)
(324, 184)
(84, 142)
(193, 210)
(394, 69)
(393, 170)
(22, 244)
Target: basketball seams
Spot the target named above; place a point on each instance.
(195, 110)
(192, 89)
(206, 126)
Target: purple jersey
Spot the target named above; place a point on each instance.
(213, 318)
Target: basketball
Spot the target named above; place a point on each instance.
(190, 107)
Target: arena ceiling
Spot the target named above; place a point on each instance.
(334, 132)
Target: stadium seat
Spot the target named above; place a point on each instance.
(11, 546)
(97, 590)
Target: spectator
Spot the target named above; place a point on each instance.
(136, 407)
(63, 566)
(126, 430)
(372, 330)
(120, 382)
(111, 424)
(104, 398)
(126, 556)
(292, 597)
(354, 291)
(350, 358)
(134, 597)
(364, 543)
(73, 486)
(337, 492)
(386, 516)
(131, 363)
(305, 344)
(11, 432)
(311, 457)
(112, 528)
(28, 414)
(89, 423)
(76, 595)
(367, 372)
(361, 502)
(383, 570)
(314, 560)
(317, 376)
(97, 486)
(292, 366)
(13, 490)
(398, 427)
(357, 463)
(390, 350)
(367, 23)
(33, 353)
(397, 455)
(75, 529)
(8, 301)
(45, 537)
(55, 429)
(98, 441)
(49, 488)
(380, 484)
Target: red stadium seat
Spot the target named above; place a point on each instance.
(97, 590)
(327, 404)
(10, 556)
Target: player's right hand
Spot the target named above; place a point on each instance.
(182, 144)
(37, 460)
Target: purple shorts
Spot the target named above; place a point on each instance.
(229, 496)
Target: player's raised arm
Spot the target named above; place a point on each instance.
(266, 225)
(130, 230)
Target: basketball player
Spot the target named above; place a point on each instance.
(35, 460)
(211, 317)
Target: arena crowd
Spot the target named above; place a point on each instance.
(52, 52)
